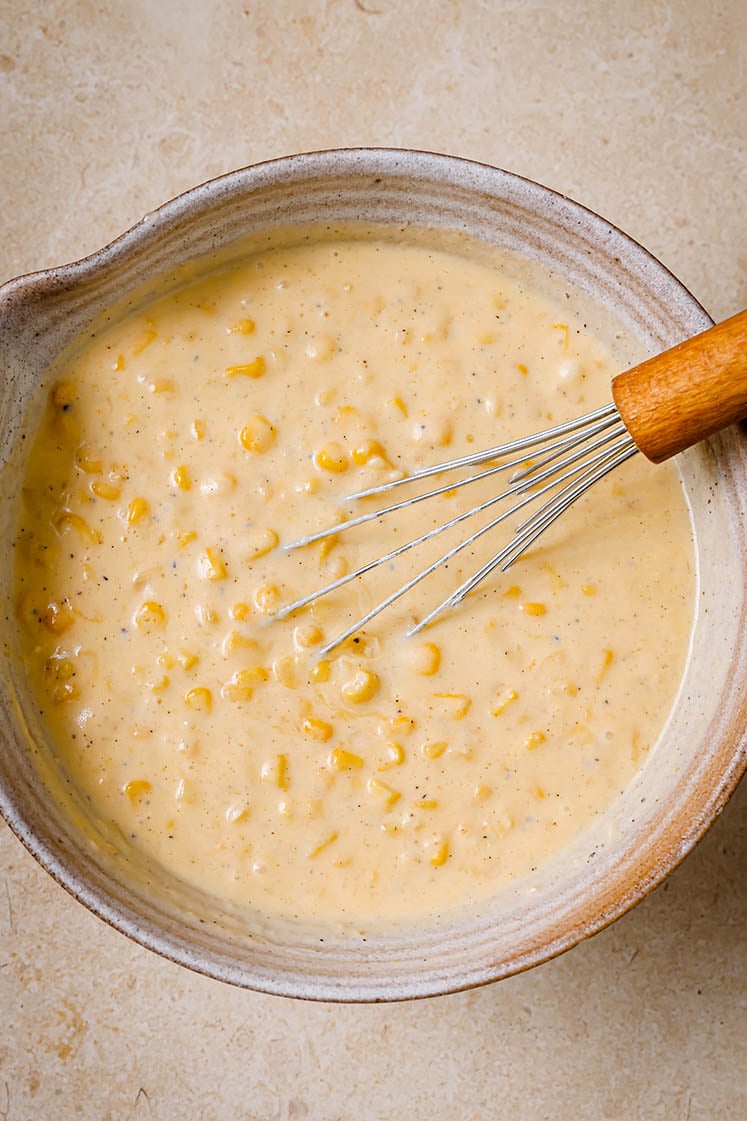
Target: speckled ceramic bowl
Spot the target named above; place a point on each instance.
(694, 766)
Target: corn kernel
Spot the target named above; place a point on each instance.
(434, 749)
(522, 368)
(321, 347)
(120, 363)
(589, 589)
(533, 608)
(508, 698)
(185, 792)
(63, 394)
(534, 739)
(240, 612)
(236, 692)
(607, 659)
(197, 428)
(211, 566)
(25, 609)
(256, 674)
(137, 510)
(454, 705)
(108, 491)
(308, 486)
(180, 478)
(59, 616)
(327, 545)
(513, 592)
(382, 790)
(64, 692)
(362, 645)
(166, 660)
(324, 397)
(637, 749)
(69, 521)
(234, 641)
(581, 736)
(307, 635)
(394, 756)
(59, 669)
(136, 788)
(276, 771)
(337, 568)
(162, 385)
(236, 812)
(432, 429)
(242, 327)
(86, 461)
(361, 687)
(266, 598)
(440, 855)
(426, 804)
(346, 415)
(158, 686)
(320, 730)
(188, 661)
(150, 616)
(368, 450)
(401, 725)
(557, 581)
(481, 792)
(313, 809)
(332, 458)
(253, 369)
(343, 760)
(321, 672)
(328, 840)
(199, 699)
(206, 616)
(425, 658)
(242, 684)
(258, 434)
(261, 542)
(189, 747)
(398, 403)
(144, 339)
(264, 490)
(563, 328)
(208, 307)
(286, 671)
(183, 539)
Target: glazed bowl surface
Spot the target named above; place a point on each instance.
(699, 757)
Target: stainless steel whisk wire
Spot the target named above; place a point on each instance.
(573, 457)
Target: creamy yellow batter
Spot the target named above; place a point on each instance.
(396, 777)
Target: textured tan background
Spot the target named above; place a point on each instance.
(638, 110)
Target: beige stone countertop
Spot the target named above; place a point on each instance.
(636, 109)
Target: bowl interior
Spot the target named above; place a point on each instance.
(699, 756)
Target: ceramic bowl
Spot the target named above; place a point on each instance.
(699, 757)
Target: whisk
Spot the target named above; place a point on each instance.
(659, 408)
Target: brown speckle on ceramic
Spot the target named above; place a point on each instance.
(698, 759)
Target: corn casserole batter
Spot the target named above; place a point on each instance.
(183, 445)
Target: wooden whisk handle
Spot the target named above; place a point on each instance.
(686, 394)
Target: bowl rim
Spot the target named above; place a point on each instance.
(170, 215)
(173, 209)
